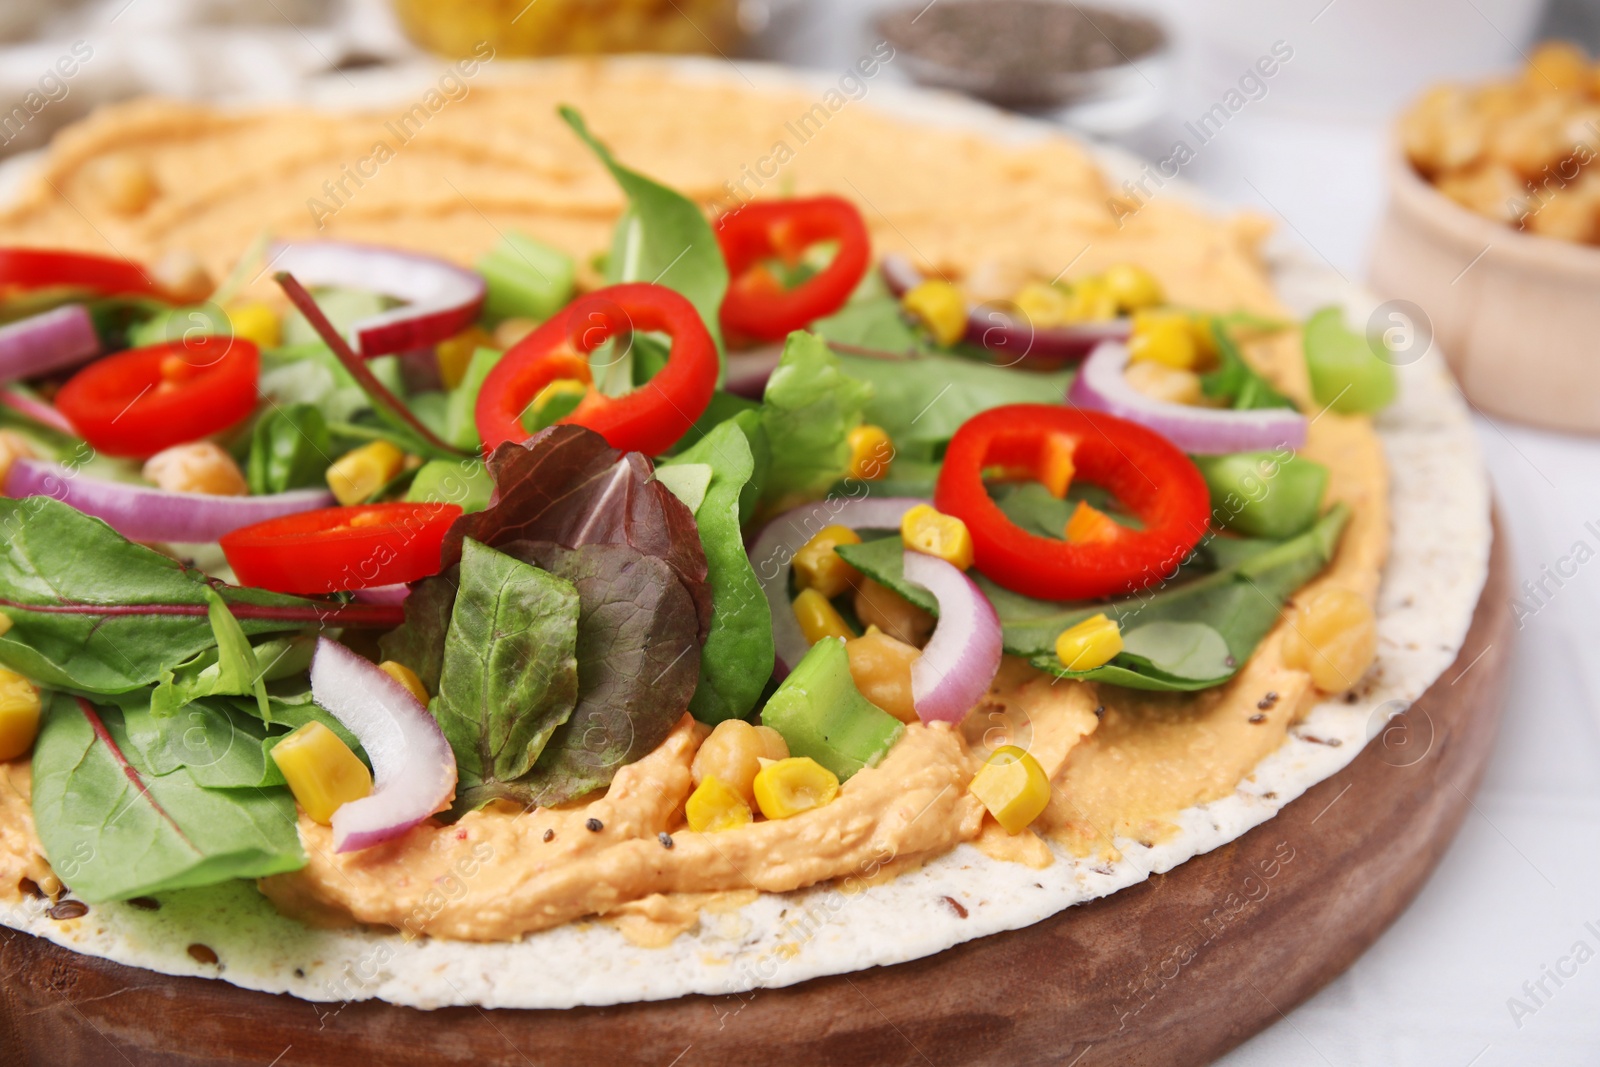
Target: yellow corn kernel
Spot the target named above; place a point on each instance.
(940, 307)
(1092, 301)
(1013, 787)
(322, 772)
(925, 530)
(454, 353)
(1045, 305)
(790, 786)
(1133, 287)
(818, 618)
(1091, 526)
(1056, 468)
(1164, 338)
(1090, 644)
(817, 566)
(406, 677)
(1161, 382)
(557, 400)
(871, 451)
(256, 322)
(360, 472)
(715, 806)
(881, 668)
(1333, 636)
(19, 713)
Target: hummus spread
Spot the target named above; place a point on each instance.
(495, 158)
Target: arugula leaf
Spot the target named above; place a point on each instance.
(638, 661)
(230, 669)
(808, 410)
(113, 828)
(663, 237)
(510, 672)
(290, 448)
(738, 654)
(921, 402)
(72, 587)
(1235, 381)
(1240, 601)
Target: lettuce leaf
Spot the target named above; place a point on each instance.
(808, 410)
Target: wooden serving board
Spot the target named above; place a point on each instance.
(1171, 972)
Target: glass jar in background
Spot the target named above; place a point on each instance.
(564, 27)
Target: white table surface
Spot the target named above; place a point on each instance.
(1514, 891)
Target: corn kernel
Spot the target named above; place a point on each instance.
(871, 451)
(928, 531)
(322, 772)
(454, 353)
(1133, 287)
(714, 806)
(406, 677)
(791, 786)
(881, 668)
(360, 472)
(940, 307)
(1091, 526)
(1333, 637)
(1013, 787)
(1044, 304)
(1164, 338)
(1090, 644)
(19, 713)
(556, 401)
(818, 618)
(1092, 301)
(256, 322)
(1056, 468)
(817, 566)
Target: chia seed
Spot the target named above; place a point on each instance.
(594, 826)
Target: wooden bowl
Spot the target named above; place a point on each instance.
(1516, 314)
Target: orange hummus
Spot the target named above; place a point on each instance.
(1122, 763)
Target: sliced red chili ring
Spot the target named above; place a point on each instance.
(757, 304)
(333, 549)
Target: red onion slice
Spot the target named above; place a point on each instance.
(1102, 385)
(960, 660)
(745, 373)
(37, 410)
(413, 768)
(382, 594)
(774, 548)
(441, 299)
(1013, 337)
(49, 341)
(141, 513)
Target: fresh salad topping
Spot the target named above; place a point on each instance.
(739, 475)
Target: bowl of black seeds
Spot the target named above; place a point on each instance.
(1028, 55)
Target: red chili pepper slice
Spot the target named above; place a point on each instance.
(652, 417)
(757, 304)
(39, 268)
(1146, 472)
(138, 402)
(334, 549)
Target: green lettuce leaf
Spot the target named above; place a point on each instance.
(808, 410)
(290, 448)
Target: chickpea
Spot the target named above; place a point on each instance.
(881, 668)
(122, 182)
(183, 276)
(733, 754)
(1333, 637)
(200, 467)
(878, 605)
(1166, 383)
(13, 446)
(510, 331)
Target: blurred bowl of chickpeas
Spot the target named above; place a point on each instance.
(570, 27)
(1493, 235)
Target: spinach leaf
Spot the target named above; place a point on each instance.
(921, 402)
(808, 410)
(638, 661)
(113, 828)
(1240, 601)
(875, 322)
(73, 589)
(1235, 381)
(510, 672)
(663, 237)
(738, 654)
(290, 448)
(219, 746)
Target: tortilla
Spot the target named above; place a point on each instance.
(1441, 534)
